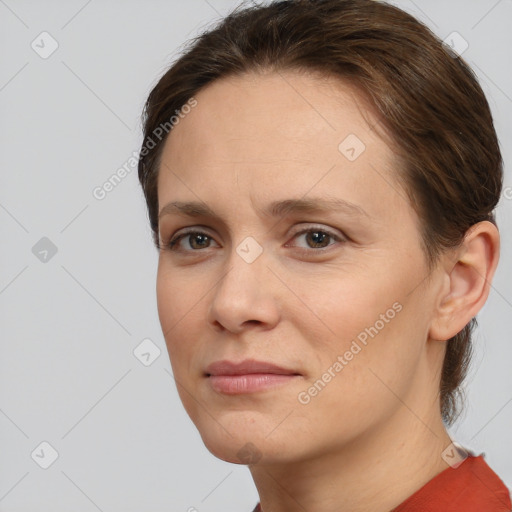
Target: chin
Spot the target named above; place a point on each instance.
(242, 446)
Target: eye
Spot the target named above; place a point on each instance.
(193, 241)
(317, 238)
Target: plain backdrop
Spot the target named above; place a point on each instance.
(77, 274)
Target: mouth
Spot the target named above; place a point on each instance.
(248, 376)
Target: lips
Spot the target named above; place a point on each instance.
(249, 376)
(248, 366)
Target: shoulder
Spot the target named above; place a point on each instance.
(471, 487)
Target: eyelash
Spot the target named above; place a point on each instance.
(172, 243)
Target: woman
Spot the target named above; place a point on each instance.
(320, 179)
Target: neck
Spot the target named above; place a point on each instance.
(377, 472)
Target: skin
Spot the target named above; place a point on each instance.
(373, 435)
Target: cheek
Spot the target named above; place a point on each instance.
(178, 305)
(335, 308)
(364, 317)
(179, 320)
(177, 296)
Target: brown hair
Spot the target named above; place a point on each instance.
(426, 97)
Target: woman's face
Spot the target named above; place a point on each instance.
(331, 289)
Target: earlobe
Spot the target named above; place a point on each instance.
(468, 281)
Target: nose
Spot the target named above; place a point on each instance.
(245, 296)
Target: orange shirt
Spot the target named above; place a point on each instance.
(471, 487)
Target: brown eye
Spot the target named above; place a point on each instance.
(196, 240)
(315, 238)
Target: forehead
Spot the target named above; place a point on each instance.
(286, 131)
(293, 107)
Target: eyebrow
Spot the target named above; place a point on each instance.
(274, 209)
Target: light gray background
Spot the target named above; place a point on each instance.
(69, 325)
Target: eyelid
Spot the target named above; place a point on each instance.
(319, 227)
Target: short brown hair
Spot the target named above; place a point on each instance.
(426, 97)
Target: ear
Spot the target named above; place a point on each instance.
(467, 280)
